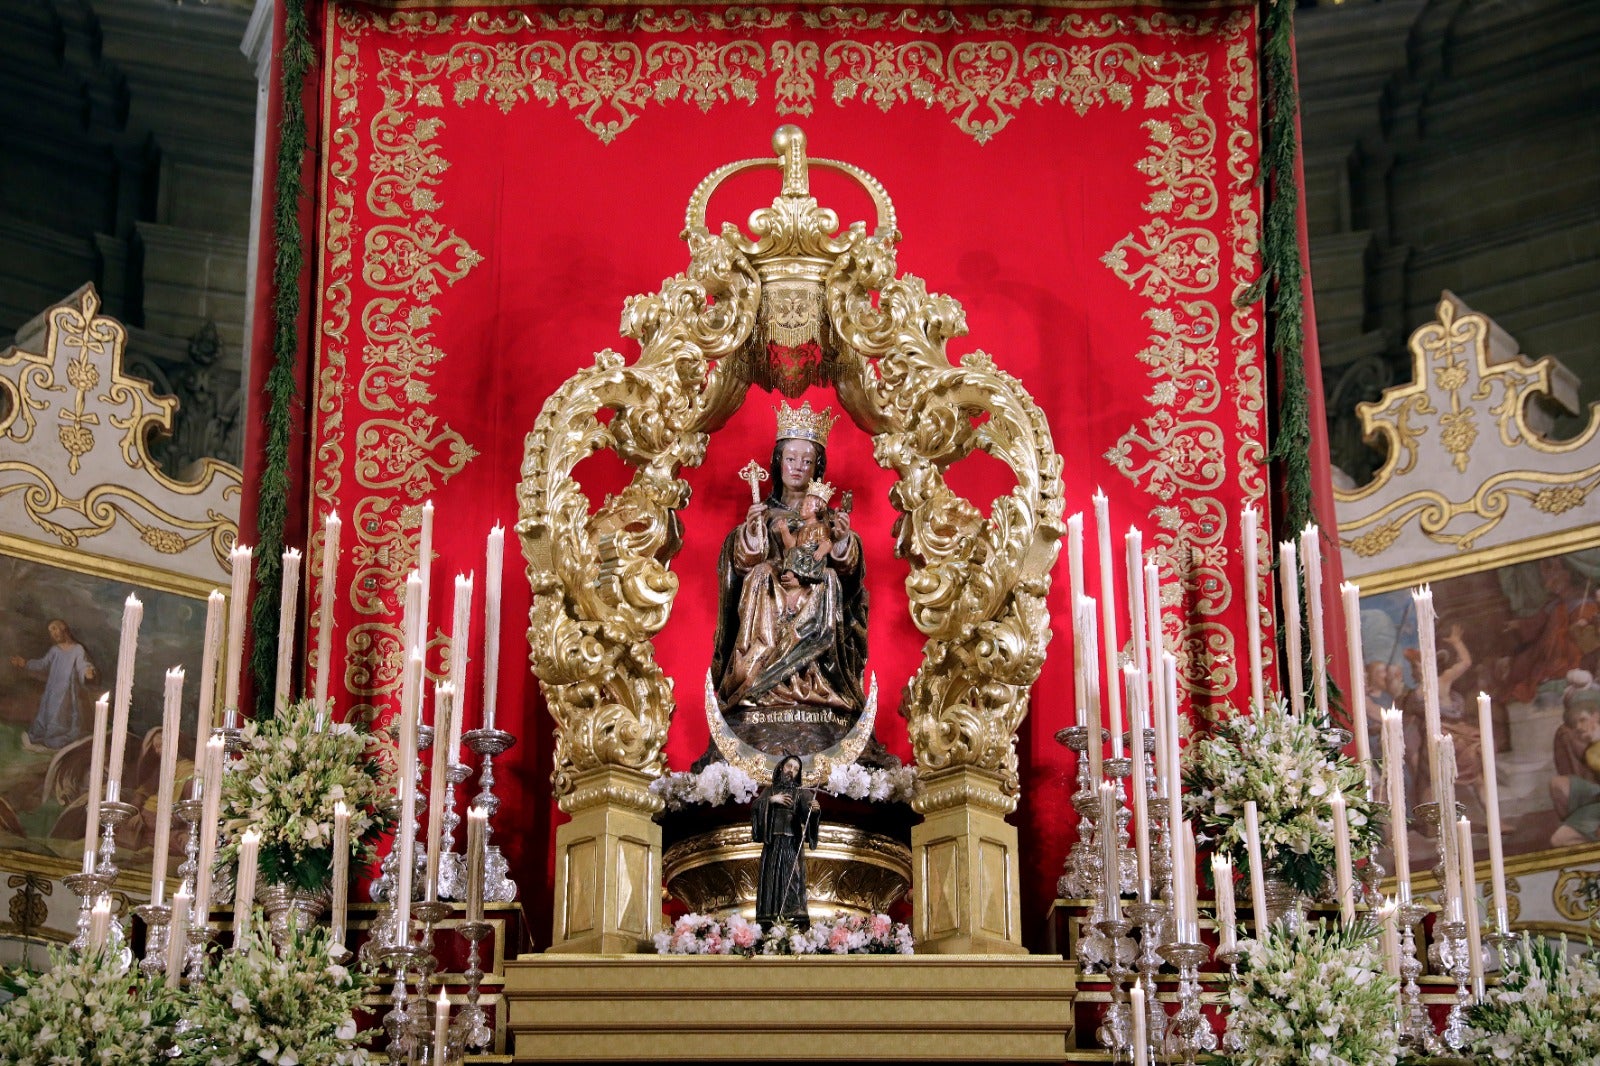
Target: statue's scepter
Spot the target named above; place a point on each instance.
(755, 475)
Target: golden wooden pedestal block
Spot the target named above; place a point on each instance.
(608, 864)
(827, 1008)
(964, 891)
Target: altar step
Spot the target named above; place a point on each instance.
(832, 1008)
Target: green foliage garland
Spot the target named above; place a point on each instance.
(88, 1009)
(1281, 274)
(272, 512)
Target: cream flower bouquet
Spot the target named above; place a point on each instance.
(1545, 1012)
(292, 769)
(1284, 763)
(89, 1008)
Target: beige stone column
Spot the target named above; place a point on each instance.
(608, 864)
(964, 891)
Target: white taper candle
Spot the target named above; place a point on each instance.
(332, 526)
(97, 779)
(238, 600)
(492, 579)
(1252, 585)
(1289, 593)
(127, 650)
(210, 659)
(171, 712)
(1491, 803)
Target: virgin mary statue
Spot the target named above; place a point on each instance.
(791, 639)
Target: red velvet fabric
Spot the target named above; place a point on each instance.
(495, 181)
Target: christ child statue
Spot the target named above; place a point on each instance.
(807, 540)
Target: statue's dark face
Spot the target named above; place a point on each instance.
(787, 773)
(798, 463)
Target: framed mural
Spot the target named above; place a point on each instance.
(61, 613)
(1526, 630)
(1478, 497)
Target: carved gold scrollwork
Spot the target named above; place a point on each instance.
(602, 584)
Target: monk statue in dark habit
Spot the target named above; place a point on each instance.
(784, 822)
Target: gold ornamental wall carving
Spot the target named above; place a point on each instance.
(602, 583)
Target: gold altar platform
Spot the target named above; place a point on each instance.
(834, 1008)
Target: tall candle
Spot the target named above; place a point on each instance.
(1190, 931)
(210, 812)
(477, 856)
(1351, 597)
(244, 894)
(1169, 685)
(132, 613)
(1394, 757)
(177, 937)
(491, 623)
(1141, 806)
(1141, 1039)
(1111, 864)
(331, 527)
(443, 712)
(425, 570)
(1152, 632)
(1091, 681)
(1422, 599)
(408, 794)
(1110, 691)
(1311, 559)
(172, 707)
(287, 602)
(1137, 630)
(1491, 803)
(99, 923)
(1258, 882)
(1227, 922)
(441, 1028)
(207, 696)
(341, 871)
(410, 627)
(1341, 860)
(1080, 667)
(97, 777)
(460, 631)
(238, 599)
(1469, 883)
(1447, 835)
(1252, 584)
(1075, 556)
(1289, 592)
(1391, 938)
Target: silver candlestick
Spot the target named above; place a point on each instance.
(1116, 1028)
(1189, 1032)
(157, 917)
(1453, 958)
(452, 865)
(383, 887)
(474, 1021)
(1416, 1029)
(489, 743)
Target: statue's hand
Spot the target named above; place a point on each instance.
(788, 580)
(841, 525)
(783, 799)
(755, 518)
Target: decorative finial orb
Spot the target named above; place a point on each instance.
(787, 135)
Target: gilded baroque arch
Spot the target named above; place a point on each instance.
(603, 585)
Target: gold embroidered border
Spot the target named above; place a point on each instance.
(981, 84)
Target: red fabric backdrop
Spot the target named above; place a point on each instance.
(496, 180)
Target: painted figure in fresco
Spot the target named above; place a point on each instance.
(788, 658)
(784, 822)
(1555, 638)
(1575, 791)
(64, 707)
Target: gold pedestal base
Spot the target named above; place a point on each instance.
(964, 891)
(828, 1008)
(608, 864)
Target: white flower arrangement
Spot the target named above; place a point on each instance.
(1545, 1012)
(1283, 762)
(1314, 995)
(89, 1008)
(292, 769)
(261, 1006)
(697, 934)
(722, 783)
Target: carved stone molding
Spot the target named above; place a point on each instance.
(75, 465)
(1468, 466)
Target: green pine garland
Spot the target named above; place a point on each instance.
(1281, 273)
(272, 512)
